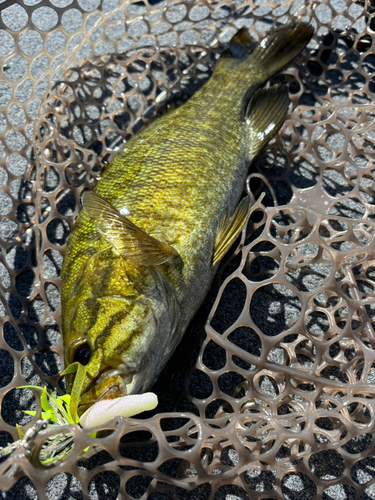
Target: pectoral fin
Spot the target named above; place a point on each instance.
(265, 114)
(129, 240)
(227, 233)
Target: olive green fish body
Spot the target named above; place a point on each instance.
(175, 180)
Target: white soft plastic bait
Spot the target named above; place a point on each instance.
(126, 406)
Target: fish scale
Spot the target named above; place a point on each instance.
(130, 285)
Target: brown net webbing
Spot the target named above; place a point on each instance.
(276, 399)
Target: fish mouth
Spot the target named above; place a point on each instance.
(109, 384)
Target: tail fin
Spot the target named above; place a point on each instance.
(280, 47)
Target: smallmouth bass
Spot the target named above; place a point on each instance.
(146, 244)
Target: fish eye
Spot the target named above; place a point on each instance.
(82, 353)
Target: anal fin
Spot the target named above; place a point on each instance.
(265, 114)
(126, 238)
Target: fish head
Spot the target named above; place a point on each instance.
(123, 341)
(104, 348)
(101, 380)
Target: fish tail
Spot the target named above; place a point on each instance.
(270, 55)
(280, 47)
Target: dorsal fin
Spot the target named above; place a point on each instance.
(227, 235)
(128, 240)
(264, 115)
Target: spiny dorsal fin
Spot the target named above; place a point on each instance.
(265, 114)
(223, 222)
(129, 240)
(227, 235)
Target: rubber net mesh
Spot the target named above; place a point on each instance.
(275, 399)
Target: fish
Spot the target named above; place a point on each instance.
(147, 242)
